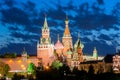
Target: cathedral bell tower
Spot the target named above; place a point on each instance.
(67, 39)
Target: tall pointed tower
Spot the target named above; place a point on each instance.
(95, 54)
(78, 47)
(45, 48)
(67, 39)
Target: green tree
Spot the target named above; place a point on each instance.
(56, 64)
(31, 68)
(4, 68)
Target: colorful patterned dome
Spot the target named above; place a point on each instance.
(58, 45)
(69, 52)
(79, 43)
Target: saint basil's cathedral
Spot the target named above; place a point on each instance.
(71, 55)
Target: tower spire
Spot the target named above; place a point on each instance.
(66, 18)
(45, 23)
(66, 32)
(95, 55)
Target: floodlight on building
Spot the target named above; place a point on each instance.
(19, 61)
(10, 61)
(47, 67)
(28, 61)
(22, 65)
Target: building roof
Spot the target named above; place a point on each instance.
(45, 26)
(92, 62)
(69, 52)
(58, 44)
(67, 32)
(78, 43)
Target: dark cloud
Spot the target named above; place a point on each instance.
(15, 15)
(9, 3)
(104, 37)
(102, 49)
(86, 17)
(18, 48)
(100, 2)
(29, 6)
(86, 39)
(25, 37)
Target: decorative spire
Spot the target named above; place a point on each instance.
(66, 21)
(58, 44)
(24, 51)
(66, 32)
(66, 18)
(45, 23)
(95, 55)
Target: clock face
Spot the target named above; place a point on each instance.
(43, 40)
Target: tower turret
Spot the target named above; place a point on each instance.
(95, 54)
(45, 48)
(67, 39)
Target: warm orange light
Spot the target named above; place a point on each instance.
(19, 61)
(28, 61)
(22, 65)
(10, 61)
(24, 68)
(47, 67)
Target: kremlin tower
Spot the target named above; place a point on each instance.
(67, 39)
(95, 55)
(45, 49)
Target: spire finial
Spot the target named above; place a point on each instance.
(66, 17)
(45, 22)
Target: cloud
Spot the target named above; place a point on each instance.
(18, 48)
(23, 21)
(100, 2)
(104, 37)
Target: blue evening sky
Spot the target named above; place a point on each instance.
(98, 22)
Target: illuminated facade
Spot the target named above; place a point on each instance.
(95, 55)
(116, 63)
(20, 64)
(48, 52)
(45, 48)
(67, 39)
(58, 47)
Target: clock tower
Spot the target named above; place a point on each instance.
(44, 47)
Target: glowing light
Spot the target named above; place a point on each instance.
(47, 67)
(10, 61)
(28, 61)
(24, 68)
(22, 65)
(19, 61)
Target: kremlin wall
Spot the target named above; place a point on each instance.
(64, 51)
